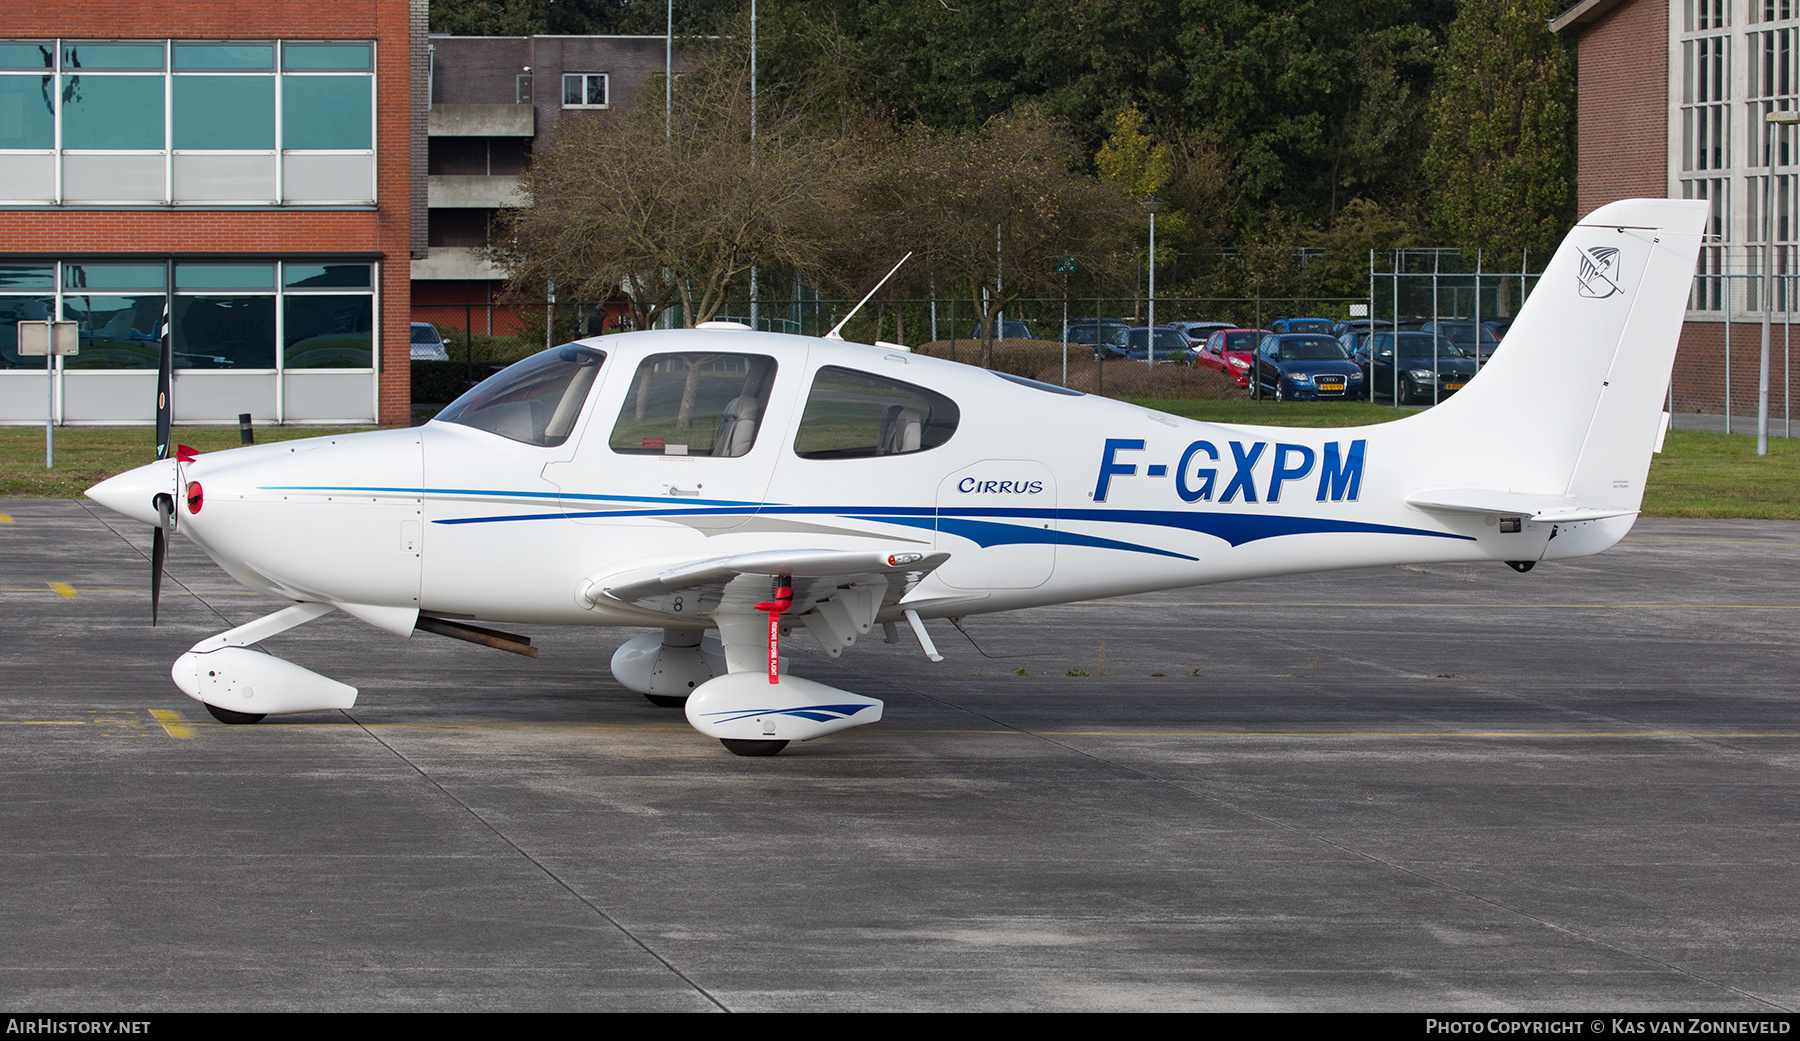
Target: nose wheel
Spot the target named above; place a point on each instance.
(742, 747)
(225, 715)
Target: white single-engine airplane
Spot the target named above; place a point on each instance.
(747, 482)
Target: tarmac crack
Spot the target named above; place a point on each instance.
(562, 883)
(1372, 858)
(167, 576)
(1432, 880)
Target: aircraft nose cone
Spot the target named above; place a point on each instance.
(133, 493)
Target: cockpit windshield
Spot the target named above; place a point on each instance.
(536, 400)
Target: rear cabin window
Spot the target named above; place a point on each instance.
(695, 403)
(855, 415)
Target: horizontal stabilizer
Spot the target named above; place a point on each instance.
(1499, 502)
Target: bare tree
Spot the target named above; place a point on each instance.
(676, 210)
(993, 209)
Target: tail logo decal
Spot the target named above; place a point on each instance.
(1599, 266)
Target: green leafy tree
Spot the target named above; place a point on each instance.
(1131, 159)
(1502, 154)
(1317, 101)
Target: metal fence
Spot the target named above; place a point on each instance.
(1716, 370)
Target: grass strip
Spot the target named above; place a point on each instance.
(1698, 474)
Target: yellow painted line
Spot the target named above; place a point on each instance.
(172, 724)
(1655, 735)
(1528, 735)
(90, 592)
(1716, 542)
(6, 518)
(63, 589)
(43, 722)
(1459, 606)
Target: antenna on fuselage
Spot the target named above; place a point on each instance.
(833, 334)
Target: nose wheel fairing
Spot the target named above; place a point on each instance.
(222, 672)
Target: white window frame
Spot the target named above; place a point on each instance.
(605, 79)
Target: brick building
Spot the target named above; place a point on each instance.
(1672, 103)
(246, 168)
(495, 101)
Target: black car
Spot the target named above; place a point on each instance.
(1478, 342)
(1090, 331)
(1306, 367)
(1171, 345)
(1106, 337)
(1418, 370)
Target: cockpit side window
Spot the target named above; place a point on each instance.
(695, 403)
(536, 400)
(854, 415)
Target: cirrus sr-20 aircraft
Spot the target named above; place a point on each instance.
(724, 487)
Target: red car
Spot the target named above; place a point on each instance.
(1230, 351)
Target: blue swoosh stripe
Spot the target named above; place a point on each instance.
(501, 494)
(1236, 529)
(987, 533)
(816, 713)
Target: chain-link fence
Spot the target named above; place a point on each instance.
(1468, 299)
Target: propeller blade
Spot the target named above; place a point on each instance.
(165, 369)
(159, 548)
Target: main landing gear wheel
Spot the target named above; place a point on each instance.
(225, 715)
(666, 700)
(739, 746)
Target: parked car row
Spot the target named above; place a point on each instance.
(1295, 359)
(1313, 366)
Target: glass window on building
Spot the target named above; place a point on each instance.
(224, 316)
(224, 112)
(252, 314)
(112, 112)
(328, 316)
(327, 113)
(327, 96)
(119, 310)
(27, 294)
(234, 57)
(27, 95)
(584, 90)
(236, 122)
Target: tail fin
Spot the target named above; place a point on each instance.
(1570, 407)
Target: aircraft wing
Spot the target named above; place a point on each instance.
(738, 583)
(1498, 501)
